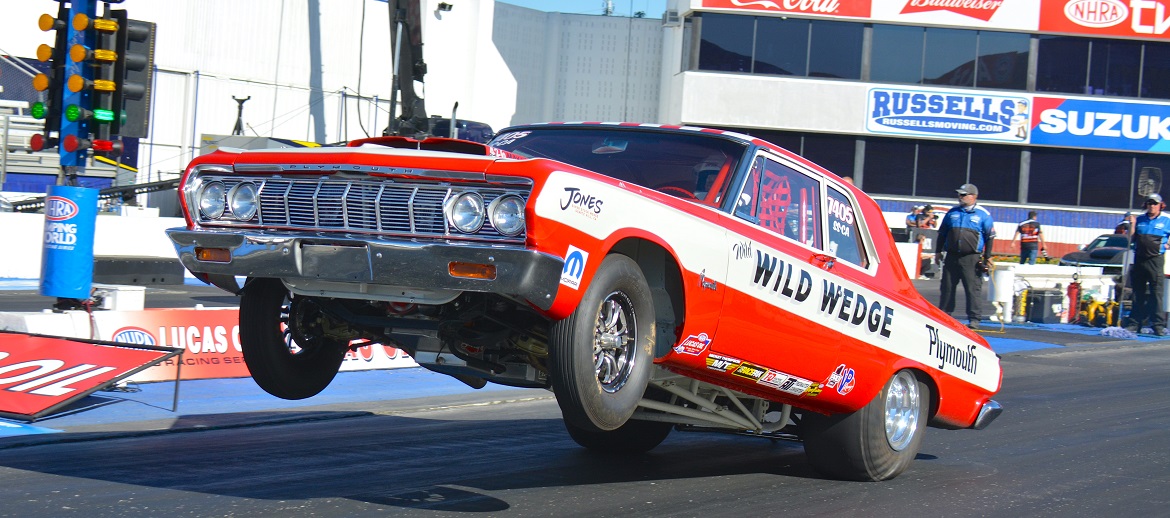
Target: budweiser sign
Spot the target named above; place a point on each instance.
(978, 9)
(852, 8)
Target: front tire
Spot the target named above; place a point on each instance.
(284, 359)
(600, 356)
(875, 443)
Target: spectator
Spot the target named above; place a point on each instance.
(1123, 225)
(1148, 241)
(1031, 239)
(966, 234)
(927, 218)
(912, 217)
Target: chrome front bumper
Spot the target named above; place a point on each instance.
(990, 410)
(363, 267)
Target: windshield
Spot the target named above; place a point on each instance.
(696, 167)
(1115, 241)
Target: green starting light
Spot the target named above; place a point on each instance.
(103, 115)
(72, 113)
(38, 110)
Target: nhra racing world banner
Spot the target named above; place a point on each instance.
(1092, 124)
(947, 114)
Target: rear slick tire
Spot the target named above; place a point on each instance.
(630, 438)
(875, 443)
(283, 367)
(600, 357)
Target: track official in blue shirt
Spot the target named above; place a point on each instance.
(966, 235)
(1148, 242)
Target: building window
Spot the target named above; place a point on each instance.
(726, 42)
(949, 58)
(1105, 179)
(1054, 176)
(831, 152)
(1062, 64)
(781, 46)
(1149, 168)
(996, 171)
(896, 55)
(942, 168)
(1114, 67)
(835, 50)
(1003, 60)
(889, 166)
(1156, 71)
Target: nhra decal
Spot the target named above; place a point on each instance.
(693, 345)
(58, 208)
(133, 335)
(842, 379)
(60, 235)
(836, 301)
(1146, 18)
(575, 260)
(947, 114)
(1096, 124)
(962, 358)
(583, 204)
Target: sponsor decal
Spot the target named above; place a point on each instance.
(962, 358)
(508, 138)
(59, 209)
(1127, 18)
(786, 383)
(47, 376)
(693, 345)
(836, 301)
(1093, 124)
(584, 204)
(575, 260)
(948, 114)
(978, 9)
(721, 363)
(133, 335)
(842, 379)
(749, 371)
(854, 8)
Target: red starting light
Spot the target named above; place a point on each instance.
(37, 142)
(108, 146)
(72, 143)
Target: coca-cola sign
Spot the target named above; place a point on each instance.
(978, 9)
(850, 8)
(1096, 13)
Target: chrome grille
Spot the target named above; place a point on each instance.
(360, 205)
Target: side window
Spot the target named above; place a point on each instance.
(782, 200)
(845, 241)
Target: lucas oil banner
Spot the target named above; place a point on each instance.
(948, 114)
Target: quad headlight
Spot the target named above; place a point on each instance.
(507, 214)
(243, 198)
(465, 212)
(212, 200)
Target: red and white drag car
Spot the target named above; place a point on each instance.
(653, 277)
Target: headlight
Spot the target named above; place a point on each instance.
(243, 201)
(211, 200)
(465, 212)
(507, 213)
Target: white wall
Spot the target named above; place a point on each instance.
(113, 236)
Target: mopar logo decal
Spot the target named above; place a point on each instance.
(59, 209)
(133, 335)
(575, 260)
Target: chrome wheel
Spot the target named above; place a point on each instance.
(902, 409)
(614, 344)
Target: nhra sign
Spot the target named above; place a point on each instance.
(1092, 124)
(948, 114)
(1126, 18)
(41, 374)
(846, 8)
(210, 340)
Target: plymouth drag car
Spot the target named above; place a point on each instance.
(653, 277)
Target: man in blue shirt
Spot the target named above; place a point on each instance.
(1148, 242)
(966, 234)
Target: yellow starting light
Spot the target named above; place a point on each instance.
(41, 82)
(104, 85)
(75, 83)
(105, 55)
(78, 53)
(80, 22)
(105, 25)
(44, 53)
(48, 22)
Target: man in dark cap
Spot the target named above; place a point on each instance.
(966, 234)
(1149, 233)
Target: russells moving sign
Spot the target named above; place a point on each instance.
(947, 114)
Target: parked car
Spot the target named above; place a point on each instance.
(652, 277)
(1106, 251)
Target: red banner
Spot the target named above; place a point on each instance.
(39, 374)
(1136, 18)
(850, 8)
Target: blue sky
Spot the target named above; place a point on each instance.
(653, 8)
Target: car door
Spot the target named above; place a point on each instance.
(774, 313)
